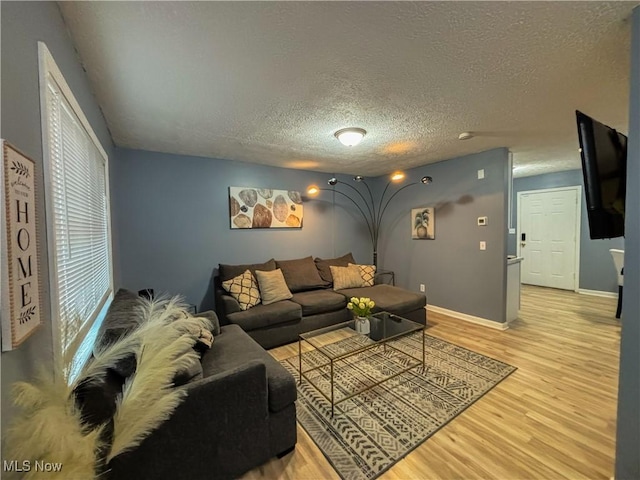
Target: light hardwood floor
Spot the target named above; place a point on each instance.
(555, 417)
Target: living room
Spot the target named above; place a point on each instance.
(170, 214)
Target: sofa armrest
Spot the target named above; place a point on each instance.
(225, 303)
(220, 430)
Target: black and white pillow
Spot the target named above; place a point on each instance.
(244, 288)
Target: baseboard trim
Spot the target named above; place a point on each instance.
(597, 293)
(469, 318)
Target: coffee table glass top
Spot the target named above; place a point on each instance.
(384, 326)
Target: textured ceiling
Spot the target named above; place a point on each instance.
(270, 82)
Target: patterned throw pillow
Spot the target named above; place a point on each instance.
(244, 289)
(346, 277)
(368, 274)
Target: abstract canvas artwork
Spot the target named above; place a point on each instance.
(264, 208)
(423, 223)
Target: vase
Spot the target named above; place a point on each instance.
(363, 325)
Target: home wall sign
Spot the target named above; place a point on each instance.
(251, 207)
(20, 281)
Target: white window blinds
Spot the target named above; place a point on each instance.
(77, 214)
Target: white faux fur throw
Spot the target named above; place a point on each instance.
(49, 427)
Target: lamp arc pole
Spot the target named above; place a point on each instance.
(374, 213)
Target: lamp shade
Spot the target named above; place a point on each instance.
(350, 136)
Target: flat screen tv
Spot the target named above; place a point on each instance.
(604, 168)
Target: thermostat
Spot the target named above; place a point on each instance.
(482, 221)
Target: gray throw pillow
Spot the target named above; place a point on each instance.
(325, 271)
(300, 274)
(273, 288)
(227, 272)
(346, 277)
(213, 318)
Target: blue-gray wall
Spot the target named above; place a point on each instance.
(23, 25)
(628, 433)
(457, 274)
(596, 265)
(175, 212)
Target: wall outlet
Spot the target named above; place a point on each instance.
(483, 245)
(422, 288)
(481, 174)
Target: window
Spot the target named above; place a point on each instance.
(78, 219)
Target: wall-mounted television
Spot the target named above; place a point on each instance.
(604, 168)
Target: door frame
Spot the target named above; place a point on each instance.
(578, 190)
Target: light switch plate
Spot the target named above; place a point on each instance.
(481, 174)
(483, 245)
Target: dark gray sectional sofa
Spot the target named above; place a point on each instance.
(314, 303)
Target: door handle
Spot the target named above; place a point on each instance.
(522, 244)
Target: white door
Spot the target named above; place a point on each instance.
(548, 237)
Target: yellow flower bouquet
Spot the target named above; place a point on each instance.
(361, 307)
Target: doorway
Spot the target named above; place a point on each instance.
(549, 237)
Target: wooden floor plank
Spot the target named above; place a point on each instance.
(555, 417)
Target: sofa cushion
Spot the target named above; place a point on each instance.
(368, 274)
(244, 288)
(346, 277)
(388, 298)
(273, 287)
(263, 315)
(300, 274)
(319, 301)
(227, 272)
(325, 271)
(234, 348)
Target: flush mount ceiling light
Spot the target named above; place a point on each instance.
(350, 136)
(465, 136)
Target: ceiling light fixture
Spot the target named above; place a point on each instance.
(465, 136)
(350, 136)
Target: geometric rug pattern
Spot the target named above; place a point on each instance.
(376, 428)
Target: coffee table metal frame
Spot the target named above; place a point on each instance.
(411, 327)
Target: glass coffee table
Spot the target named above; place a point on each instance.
(337, 352)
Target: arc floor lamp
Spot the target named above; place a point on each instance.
(372, 212)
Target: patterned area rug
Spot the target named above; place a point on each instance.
(374, 429)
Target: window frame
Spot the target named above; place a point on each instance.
(48, 67)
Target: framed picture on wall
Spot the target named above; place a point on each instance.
(251, 207)
(423, 223)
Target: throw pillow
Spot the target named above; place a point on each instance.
(244, 289)
(346, 277)
(213, 318)
(300, 274)
(273, 287)
(368, 274)
(324, 269)
(227, 272)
